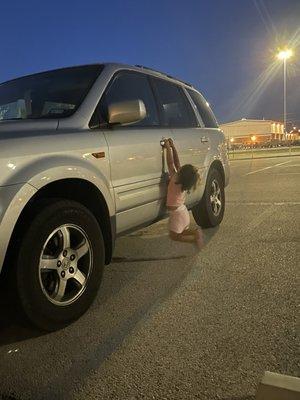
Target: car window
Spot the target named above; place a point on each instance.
(204, 110)
(52, 94)
(175, 108)
(130, 86)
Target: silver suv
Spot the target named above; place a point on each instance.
(81, 162)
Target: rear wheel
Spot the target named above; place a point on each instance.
(60, 264)
(209, 211)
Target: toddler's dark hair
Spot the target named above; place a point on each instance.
(188, 176)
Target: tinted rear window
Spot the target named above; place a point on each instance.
(53, 94)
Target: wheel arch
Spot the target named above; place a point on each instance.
(80, 190)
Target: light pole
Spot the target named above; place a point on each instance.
(284, 55)
(231, 146)
(253, 139)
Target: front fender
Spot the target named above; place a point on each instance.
(13, 199)
(72, 168)
(42, 171)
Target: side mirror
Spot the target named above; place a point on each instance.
(126, 112)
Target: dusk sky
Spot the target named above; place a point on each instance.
(225, 48)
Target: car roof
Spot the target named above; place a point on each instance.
(116, 66)
(150, 71)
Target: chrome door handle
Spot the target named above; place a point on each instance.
(204, 139)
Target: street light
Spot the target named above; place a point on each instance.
(284, 55)
(253, 139)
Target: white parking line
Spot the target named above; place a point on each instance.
(262, 203)
(263, 169)
(260, 218)
(292, 165)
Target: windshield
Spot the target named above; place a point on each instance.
(53, 94)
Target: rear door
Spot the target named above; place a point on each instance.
(136, 156)
(178, 114)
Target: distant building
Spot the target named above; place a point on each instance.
(294, 134)
(246, 131)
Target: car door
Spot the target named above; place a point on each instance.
(136, 155)
(190, 141)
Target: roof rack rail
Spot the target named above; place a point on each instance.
(164, 74)
(150, 69)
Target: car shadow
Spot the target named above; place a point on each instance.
(15, 327)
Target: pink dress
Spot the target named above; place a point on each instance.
(179, 218)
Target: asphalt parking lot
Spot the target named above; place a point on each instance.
(169, 323)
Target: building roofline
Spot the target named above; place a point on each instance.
(251, 120)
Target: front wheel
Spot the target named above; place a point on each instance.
(209, 211)
(60, 264)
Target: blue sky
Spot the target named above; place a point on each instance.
(223, 47)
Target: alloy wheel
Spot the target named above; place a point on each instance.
(65, 264)
(215, 198)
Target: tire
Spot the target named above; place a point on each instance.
(60, 264)
(206, 213)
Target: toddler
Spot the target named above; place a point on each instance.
(182, 180)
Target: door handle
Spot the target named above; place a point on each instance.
(204, 139)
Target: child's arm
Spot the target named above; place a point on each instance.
(175, 155)
(170, 160)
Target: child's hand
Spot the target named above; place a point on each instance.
(166, 144)
(171, 142)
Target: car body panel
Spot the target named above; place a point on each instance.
(68, 155)
(218, 152)
(137, 174)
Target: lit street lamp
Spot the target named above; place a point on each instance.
(284, 55)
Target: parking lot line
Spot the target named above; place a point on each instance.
(263, 169)
(263, 203)
(289, 173)
(292, 165)
(260, 218)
